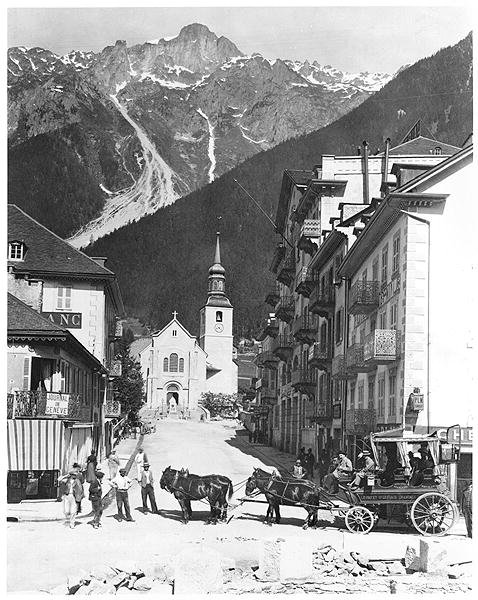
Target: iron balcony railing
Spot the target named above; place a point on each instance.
(355, 362)
(47, 405)
(286, 270)
(324, 407)
(304, 282)
(277, 257)
(364, 296)
(382, 346)
(304, 328)
(282, 346)
(338, 370)
(112, 408)
(321, 300)
(285, 309)
(304, 378)
(266, 360)
(273, 296)
(320, 356)
(309, 231)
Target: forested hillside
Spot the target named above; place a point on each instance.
(162, 260)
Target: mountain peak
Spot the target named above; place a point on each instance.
(196, 30)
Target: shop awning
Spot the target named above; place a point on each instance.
(34, 444)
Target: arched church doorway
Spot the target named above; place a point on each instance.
(172, 398)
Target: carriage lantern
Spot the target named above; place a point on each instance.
(449, 452)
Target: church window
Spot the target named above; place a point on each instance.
(165, 365)
(218, 316)
(173, 363)
(181, 365)
(175, 332)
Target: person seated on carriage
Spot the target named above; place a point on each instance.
(387, 475)
(417, 465)
(298, 470)
(368, 467)
(342, 471)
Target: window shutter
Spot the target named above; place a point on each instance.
(26, 373)
(68, 297)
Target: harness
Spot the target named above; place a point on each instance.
(272, 478)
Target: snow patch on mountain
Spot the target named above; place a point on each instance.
(210, 146)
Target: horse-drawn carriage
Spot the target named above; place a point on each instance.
(397, 490)
(415, 495)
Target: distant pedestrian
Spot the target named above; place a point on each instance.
(298, 470)
(467, 508)
(147, 489)
(96, 498)
(113, 464)
(301, 457)
(76, 467)
(91, 463)
(140, 459)
(122, 485)
(71, 492)
(310, 463)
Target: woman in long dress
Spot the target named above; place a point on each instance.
(91, 463)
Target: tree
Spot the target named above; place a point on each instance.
(223, 405)
(129, 388)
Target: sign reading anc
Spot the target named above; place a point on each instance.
(64, 319)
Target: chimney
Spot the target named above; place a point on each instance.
(101, 260)
(385, 166)
(365, 172)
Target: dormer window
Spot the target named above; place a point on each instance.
(437, 150)
(16, 251)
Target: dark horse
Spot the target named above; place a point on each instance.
(288, 492)
(185, 486)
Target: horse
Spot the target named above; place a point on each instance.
(289, 492)
(185, 486)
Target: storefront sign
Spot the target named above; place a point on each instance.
(64, 319)
(454, 434)
(57, 404)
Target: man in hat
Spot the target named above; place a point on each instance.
(122, 485)
(71, 492)
(96, 498)
(147, 489)
(368, 467)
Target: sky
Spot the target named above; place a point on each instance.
(359, 38)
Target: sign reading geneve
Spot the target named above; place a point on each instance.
(64, 319)
(57, 404)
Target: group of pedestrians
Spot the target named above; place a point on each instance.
(71, 488)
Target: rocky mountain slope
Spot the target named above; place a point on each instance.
(162, 260)
(98, 140)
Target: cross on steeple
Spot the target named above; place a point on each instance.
(175, 314)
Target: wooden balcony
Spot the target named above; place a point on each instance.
(304, 282)
(322, 301)
(320, 356)
(286, 269)
(285, 309)
(278, 257)
(309, 236)
(381, 347)
(364, 296)
(282, 347)
(304, 328)
(48, 405)
(273, 296)
(266, 360)
(338, 370)
(304, 380)
(354, 361)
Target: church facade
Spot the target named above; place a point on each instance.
(177, 368)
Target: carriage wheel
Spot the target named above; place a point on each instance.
(359, 519)
(433, 514)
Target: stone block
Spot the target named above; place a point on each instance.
(119, 579)
(433, 556)
(103, 572)
(411, 560)
(123, 590)
(74, 582)
(127, 566)
(198, 571)
(143, 584)
(286, 560)
(228, 563)
(269, 561)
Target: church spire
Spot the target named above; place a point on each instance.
(216, 288)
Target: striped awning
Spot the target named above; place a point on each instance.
(34, 444)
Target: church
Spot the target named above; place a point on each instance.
(177, 367)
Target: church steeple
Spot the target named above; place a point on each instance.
(216, 288)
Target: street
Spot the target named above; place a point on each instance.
(42, 554)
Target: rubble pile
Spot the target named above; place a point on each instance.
(122, 578)
(330, 562)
